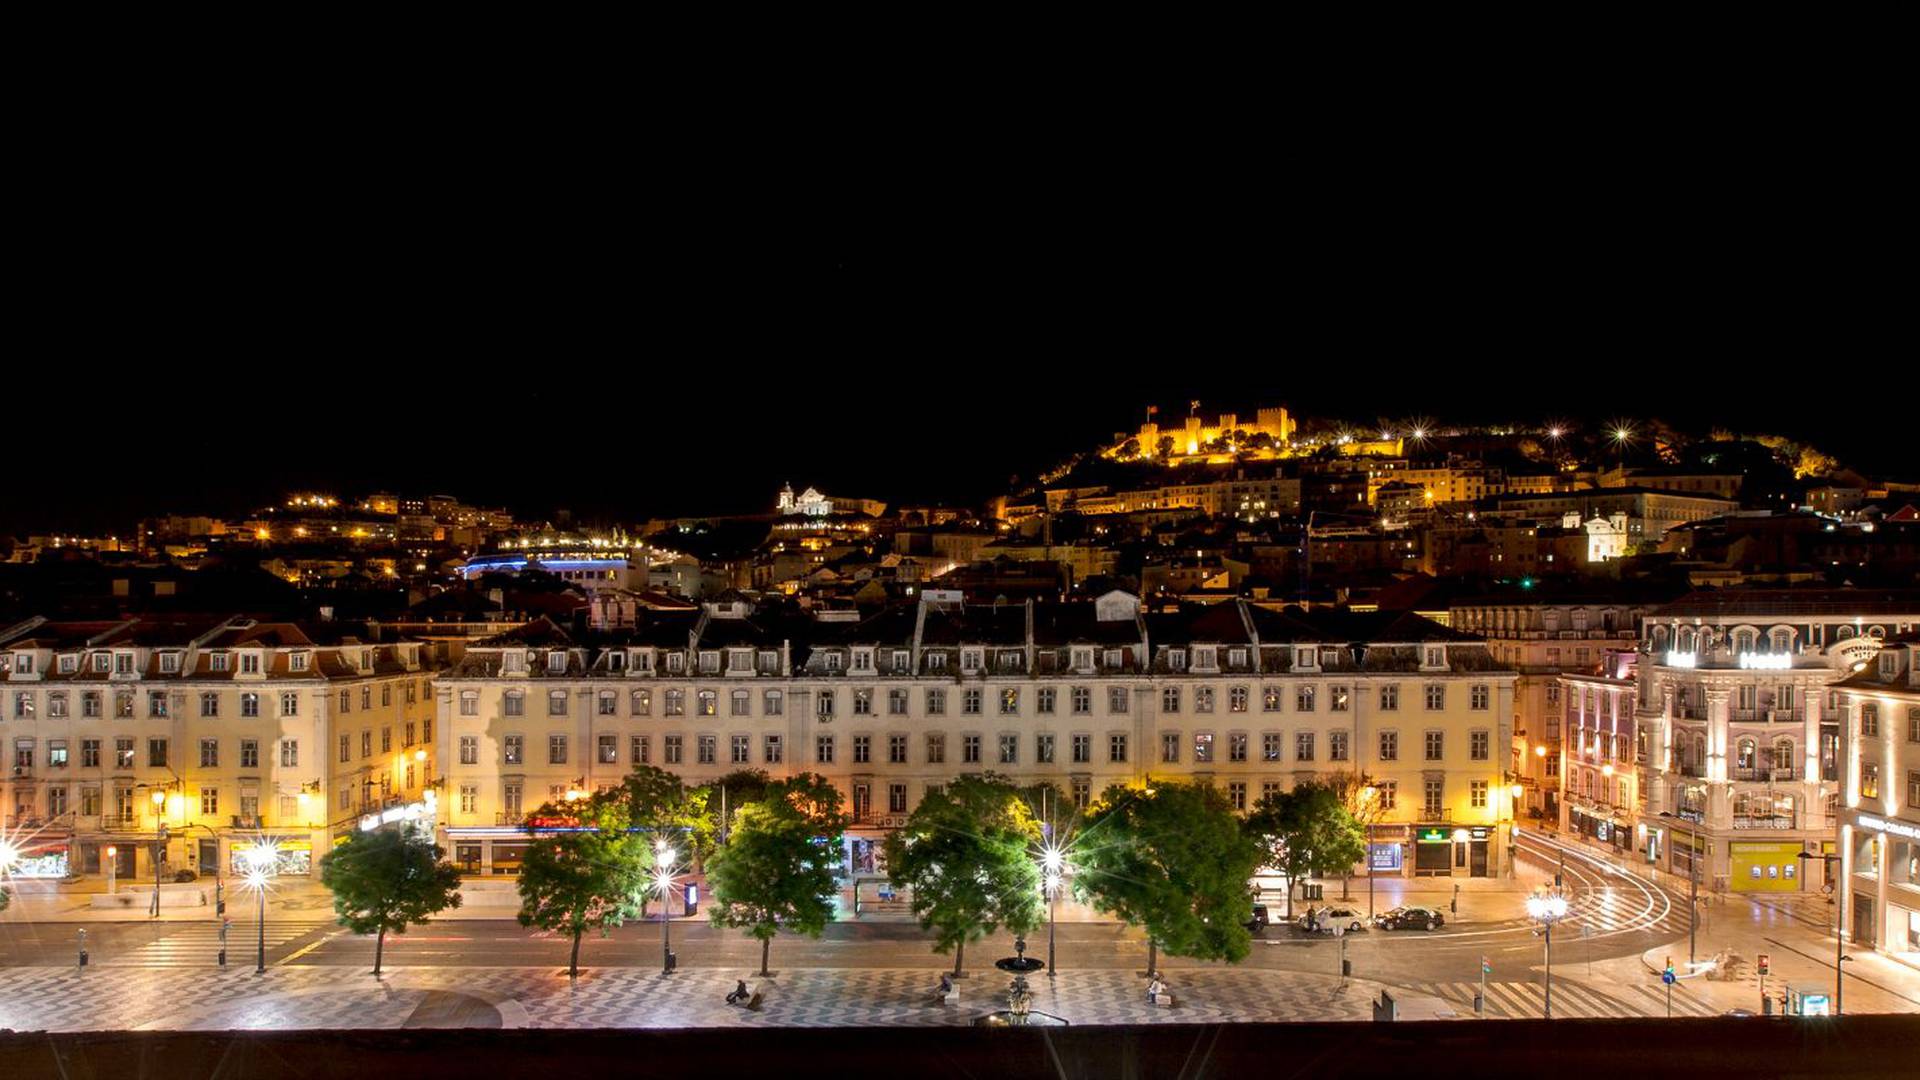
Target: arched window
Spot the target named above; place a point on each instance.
(1843, 633)
(1660, 639)
(1743, 641)
(1783, 753)
(1683, 641)
(1782, 640)
(1745, 754)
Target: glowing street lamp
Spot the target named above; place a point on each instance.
(8, 856)
(262, 859)
(1546, 906)
(663, 859)
(1053, 865)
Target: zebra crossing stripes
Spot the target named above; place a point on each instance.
(198, 945)
(1572, 999)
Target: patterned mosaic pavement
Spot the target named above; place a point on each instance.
(65, 999)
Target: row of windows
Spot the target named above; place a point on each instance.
(93, 703)
(1870, 721)
(126, 803)
(972, 701)
(158, 756)
(386, 739)
(1238, 747)
(513, 798)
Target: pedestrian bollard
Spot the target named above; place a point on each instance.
(1455, 907)
(225, 925)
(83, 948)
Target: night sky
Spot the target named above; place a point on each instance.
(567, 336)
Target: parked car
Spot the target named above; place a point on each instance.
(1259, 921)
(1323, 920)
(1411, 918)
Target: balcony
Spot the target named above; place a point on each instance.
(504, 818)
(1763, 821)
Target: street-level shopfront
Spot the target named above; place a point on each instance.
(1764, 865)
(1883, 889)
(1597, 825)
(1449, 850)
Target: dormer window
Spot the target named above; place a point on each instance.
(299, 661)
(1012, 660)
(834, 661)
(123, 663)
(902, 660)
(676, 662)
(513, 662)
(69, 664)
(642, 660)
(1889, 663)
(616, 661)
(936, 661)
(169, 662)
(219, 661)
(863, 660)
(1177, 659)
(250, 663)
(22, 664)
(556, 662)
(1436, 656)
(1082, 659)
(1237, 657)
(970, 660)
(709, 661)
(1306, 656)
(100, 662)
(740, 660)
(1206, 656)
(1115, 658)
(769, 663)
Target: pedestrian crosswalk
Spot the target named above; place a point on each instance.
(198, 945)
(1573, 999)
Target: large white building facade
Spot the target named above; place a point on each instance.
(1880, 821)
(1738, 729)
(185, 741)
(1083, 694)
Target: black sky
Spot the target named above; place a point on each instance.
(548, 313)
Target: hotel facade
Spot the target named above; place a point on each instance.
(1880, 822)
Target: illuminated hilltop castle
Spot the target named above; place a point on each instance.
(1272, 429)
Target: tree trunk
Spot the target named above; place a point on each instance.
(573, 962)
(959, 953)
(1289, 897)
(1346, 884)
(1153, 958)
(379, 946)
(766, 946)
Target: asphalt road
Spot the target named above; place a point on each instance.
(1614, 915)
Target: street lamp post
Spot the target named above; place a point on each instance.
(1546, 906)
(663, 881)
(1839, 915)
(261, 859)
(1052, 863)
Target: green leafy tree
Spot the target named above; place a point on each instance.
(776, 870)
(595, 878)
(655, 801)
(6, 897)
(966, 854)
(387, 880)
(740, 786)
(1307, 831)
(1169, 858)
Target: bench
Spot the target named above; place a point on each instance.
(951, 997)
(1164, 999)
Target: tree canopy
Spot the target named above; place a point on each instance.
(387, 880)
(966, 854)
(1309, 831)
(776, 870)
(1169, 858)
(593, 878)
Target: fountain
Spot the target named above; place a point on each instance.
(1019, 1011)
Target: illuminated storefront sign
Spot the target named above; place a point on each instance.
(1880, 824)
(1682, 659)
(1766, 661)
(424, 809)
